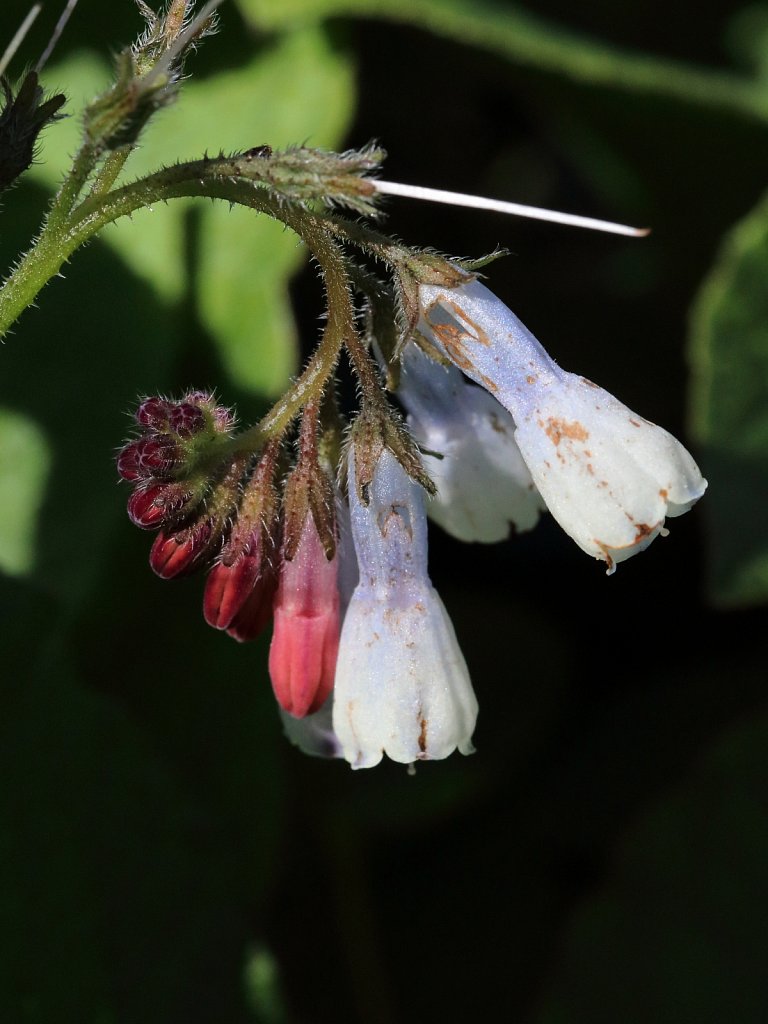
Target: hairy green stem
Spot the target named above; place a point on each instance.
(85, 160)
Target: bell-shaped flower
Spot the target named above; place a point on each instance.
(469, 449)
(402, 686)
(305, 640)
(608, 476)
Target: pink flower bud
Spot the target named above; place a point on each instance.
(305, 642)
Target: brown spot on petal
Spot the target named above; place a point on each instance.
(634, 422)
(455, 337)
(663, 493)
(487, 383)
(589, 382)
(557, 429)
(473, 328)
(423, 736)
(531, 378)
(643, 530)
(398, 514)
(450, 337)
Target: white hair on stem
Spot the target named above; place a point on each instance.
(61, 24)
(436, 195)
(18, 38)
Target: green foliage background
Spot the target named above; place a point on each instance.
(165, 856)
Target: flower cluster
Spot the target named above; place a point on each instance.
(364, 660)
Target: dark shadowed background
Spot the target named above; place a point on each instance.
(165, 855)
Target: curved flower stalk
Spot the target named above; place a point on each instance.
(483, 484)
(402, 686)
(608, 476)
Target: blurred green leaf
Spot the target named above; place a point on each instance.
(532, 41)
(730, 356)
(244, 262)
(262, 986)
(24, 465)
(140, 806)
(674, 935)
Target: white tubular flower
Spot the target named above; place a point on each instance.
(483, 485)
(402, 686)
(608, 476)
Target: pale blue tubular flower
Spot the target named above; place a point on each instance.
(608, 476)
(483, 484)
(402, 686)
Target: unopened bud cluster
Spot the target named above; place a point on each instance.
(174, 490)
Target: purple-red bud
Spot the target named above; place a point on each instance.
(186, 419)
(151, 504)
(155, 455)
(153, 412)
(199, 398)
(223, 419)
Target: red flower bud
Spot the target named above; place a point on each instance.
(227, 589)
(255, 613)
(152, 504)
(174, 554)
